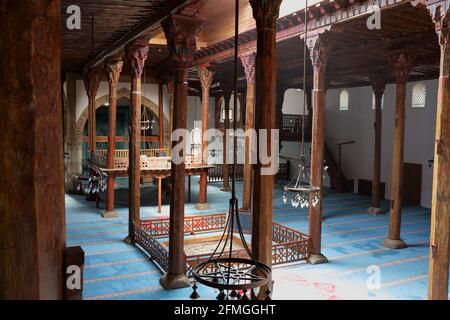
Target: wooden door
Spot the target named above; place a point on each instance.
(412, 184)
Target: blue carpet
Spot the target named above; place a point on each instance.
(351, 241)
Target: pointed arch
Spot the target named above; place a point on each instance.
(121, 93)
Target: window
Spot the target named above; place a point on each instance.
(231, 110)
(419, 95)
(373, 101)
(222, 116)
(344, 98)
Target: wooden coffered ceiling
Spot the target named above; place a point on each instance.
(106, 24)
(357, 52)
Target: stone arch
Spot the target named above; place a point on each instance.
(121, 93)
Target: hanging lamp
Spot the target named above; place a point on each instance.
(237, 277)
(303, 192)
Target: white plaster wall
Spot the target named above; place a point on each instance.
(194, 120)
(357, 124)
(291, 6)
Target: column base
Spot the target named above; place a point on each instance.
(317, 259)
(394, 244)
(128, 240)
(376, 211)
(225, 189)
(170, 282)
(109, 214)
(202, 206)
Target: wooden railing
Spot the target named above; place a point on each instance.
(216, 174)
(292, 127)
(124, 153)
(154, 158)
(210, 222)
(290, 245)
(156, 250)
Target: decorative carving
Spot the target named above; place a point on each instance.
(137, 54)
(181, 34)
(319, 52)
(443, 30)
(206, 77)
(266, 12)
(91, 83)
(378, 84)
(114, 69)
(402, 63)
(248, 61)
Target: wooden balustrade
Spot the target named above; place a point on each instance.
(151, 153)
(290, 245)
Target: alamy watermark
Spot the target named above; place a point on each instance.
(263, 147)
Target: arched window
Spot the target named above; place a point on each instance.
(196, 136)
(344, 99)
(231, 110)
(419, 95)
(373, 101)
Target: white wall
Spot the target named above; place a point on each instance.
(357, 124)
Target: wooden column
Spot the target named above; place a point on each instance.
(113, 70)
(402, 65)
(378, 86)
(206, 77)
(226, 125)
(440, 207)
(32, 228)
(161, 115)
(248, 62)
(181, 33)
(170, 93)
(319, 56)
(91, 84)
(137, 54)
(266, 14)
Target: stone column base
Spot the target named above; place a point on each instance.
(317, 259)
(376, 211)
(109, 214)
(227, 189)
(202, 206)
(394, 244)
(128, 240)
(170, 282)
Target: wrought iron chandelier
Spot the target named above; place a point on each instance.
(236, 275)
(94, 183)
(303, 192)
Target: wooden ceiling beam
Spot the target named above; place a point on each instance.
(148, 28)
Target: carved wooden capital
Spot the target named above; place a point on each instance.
(319, 52)
(181, 34)
(137, 54)
(443, 30)
(248, 61)
(266, 13)
(114, 69)
(91, 83)
(378, 84)
(402, 63)
(206, 77)
(227, 88)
